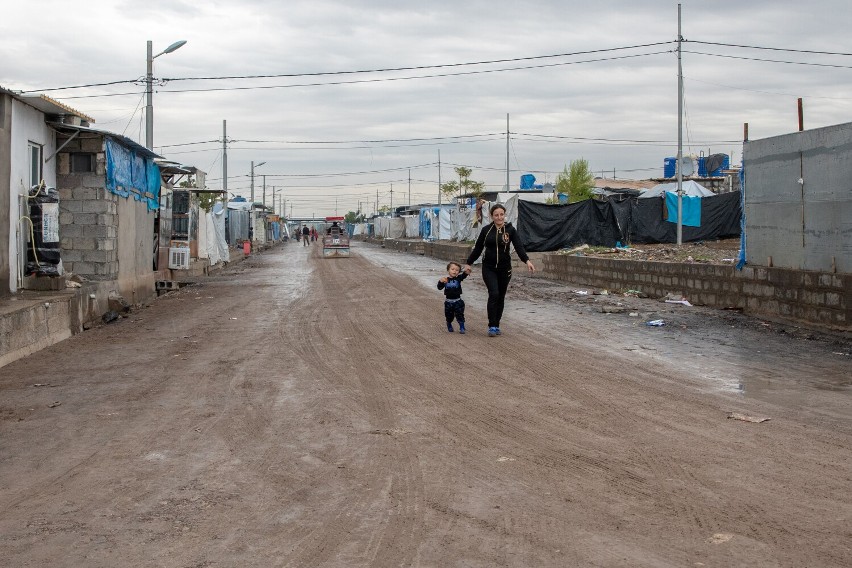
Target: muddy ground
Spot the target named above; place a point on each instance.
(296, 411)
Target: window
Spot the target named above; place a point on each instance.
(82, 162)
(36, 171)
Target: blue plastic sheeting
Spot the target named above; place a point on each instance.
(130, 174)
(426, 220)
(691, 209)
(527, 181)
(741, 259)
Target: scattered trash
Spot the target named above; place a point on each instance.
(72, 284)
(633, 293)
(42, 385)
(655, 323)
(581, 292)
(232, 318)
(601, 293)
(634, 314)
(576, 249)
(505, 459)
(690, 259)
(720, 538)
(685, 302)
(54, 405)
(744, 418)
(613, 309)
(729, 260)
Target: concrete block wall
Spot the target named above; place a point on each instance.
(798, 200)
(813, 298)
(88, 218)
(819, 299)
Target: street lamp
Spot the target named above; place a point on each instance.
(253, 166)
(149, 79)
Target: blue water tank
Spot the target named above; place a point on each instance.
(670, 167)
(527, 181)
(702, 167)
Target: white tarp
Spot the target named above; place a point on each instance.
(390, 227)
(412, 226)
(207, 238)
(218, 217)
(690, 188)
(359, 229)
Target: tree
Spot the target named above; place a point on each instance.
(354, 217)
(576, 181)
(464, 185)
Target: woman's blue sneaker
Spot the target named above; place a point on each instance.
(497, 329)
(493, 331)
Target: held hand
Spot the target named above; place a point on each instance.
(466, 269)
(530, 266)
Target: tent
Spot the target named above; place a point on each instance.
(690, 189)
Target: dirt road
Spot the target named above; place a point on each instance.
(295, 411)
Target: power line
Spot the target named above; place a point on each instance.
(787, 49)
(806, 63)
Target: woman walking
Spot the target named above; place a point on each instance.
(495, 239)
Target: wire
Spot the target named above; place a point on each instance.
(770, 60)
(769, 48)
(132, 115)
(418, 67)
(379, 80)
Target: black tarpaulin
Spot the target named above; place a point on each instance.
(603, 223)
(552, 227)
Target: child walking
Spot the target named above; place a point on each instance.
(453, 303)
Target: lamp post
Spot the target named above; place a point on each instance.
(253, 166)
(251, 206)
(149, 79)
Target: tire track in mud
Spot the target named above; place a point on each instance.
(392, 534)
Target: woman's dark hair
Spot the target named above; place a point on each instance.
(495, 207)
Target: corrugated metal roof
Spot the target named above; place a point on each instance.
(48, 105)
(122, 139)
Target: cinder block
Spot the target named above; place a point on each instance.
(85, 244)
(106, 244)
(85, 219)
(99, 256)
(95, 206)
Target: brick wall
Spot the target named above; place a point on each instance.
(88, 219)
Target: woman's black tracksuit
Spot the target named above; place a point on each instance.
(497, 264)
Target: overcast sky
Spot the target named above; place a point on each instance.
(323, 142)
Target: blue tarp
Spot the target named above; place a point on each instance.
(128, 174)
(691, 209)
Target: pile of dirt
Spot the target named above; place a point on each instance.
(723, 251)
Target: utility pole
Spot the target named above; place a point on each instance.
(409, 188)
(225, 157)
(264, 193)
(439, 178)
(252, 187)
(679, 134)
(391, 211)
(377, 201)
(507, 151)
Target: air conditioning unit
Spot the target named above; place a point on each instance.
(179, 258)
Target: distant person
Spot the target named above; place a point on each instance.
(495, 239)
(306, 235)
(298, 234)
(314, 234)
(453, 303)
